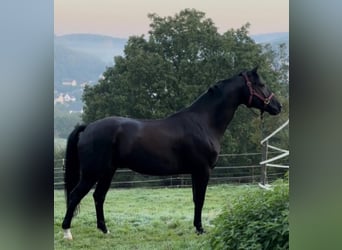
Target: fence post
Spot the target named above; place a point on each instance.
(263, 177)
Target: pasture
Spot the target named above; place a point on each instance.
(143, 218)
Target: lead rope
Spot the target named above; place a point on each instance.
(262, 123)
(261, 116)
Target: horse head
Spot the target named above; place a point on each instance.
(258, 95)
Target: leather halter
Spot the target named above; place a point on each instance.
(252, 92)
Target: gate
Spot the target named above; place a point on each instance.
(269, 162)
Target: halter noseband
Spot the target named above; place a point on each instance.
(252, 92)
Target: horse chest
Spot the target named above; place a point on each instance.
(212, 153)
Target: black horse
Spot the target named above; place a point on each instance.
(187, 142)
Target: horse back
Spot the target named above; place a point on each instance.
(155, 147)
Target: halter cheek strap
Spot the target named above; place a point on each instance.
(252, 92)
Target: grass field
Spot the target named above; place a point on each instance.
(142, 218)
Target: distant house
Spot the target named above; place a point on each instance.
(72, 83)
(83, 84)
(59, 99)
(64, 98)
(76, 111)
(68, 98)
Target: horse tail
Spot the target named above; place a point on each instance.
(72, 165)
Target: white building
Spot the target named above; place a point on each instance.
(72, 83)
(64, 98)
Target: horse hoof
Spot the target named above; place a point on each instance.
(103, 230)
(67, 234)
(200, 231)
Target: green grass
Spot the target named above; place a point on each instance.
(143, 218)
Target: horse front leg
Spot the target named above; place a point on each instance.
(199, 187)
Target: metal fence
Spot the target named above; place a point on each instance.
(230, 168)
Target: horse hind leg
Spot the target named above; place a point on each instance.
(99, 196)
(82, 188)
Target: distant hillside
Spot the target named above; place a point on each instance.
(102, 47)
(73, 65)
(275, 39)
(84, 57)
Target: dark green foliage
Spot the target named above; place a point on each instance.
(257, 219)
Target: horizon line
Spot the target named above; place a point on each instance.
(107, 35)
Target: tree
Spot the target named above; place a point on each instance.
(180, 59)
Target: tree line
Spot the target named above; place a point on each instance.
(180, 58)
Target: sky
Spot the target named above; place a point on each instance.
(124, 18)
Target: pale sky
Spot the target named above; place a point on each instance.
(124, 18)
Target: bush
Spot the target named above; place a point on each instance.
(258, 219)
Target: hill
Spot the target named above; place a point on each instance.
(83, 57)
(272, 38)
(102, 47)
(73, 65)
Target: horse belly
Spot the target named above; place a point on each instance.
(151, 163)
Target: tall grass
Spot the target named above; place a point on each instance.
(143, 219)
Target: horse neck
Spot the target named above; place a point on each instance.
(217, 114)
(219, 119)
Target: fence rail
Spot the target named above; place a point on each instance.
(267, 162)
(228, 170)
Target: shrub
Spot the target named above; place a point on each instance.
(258, 219)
